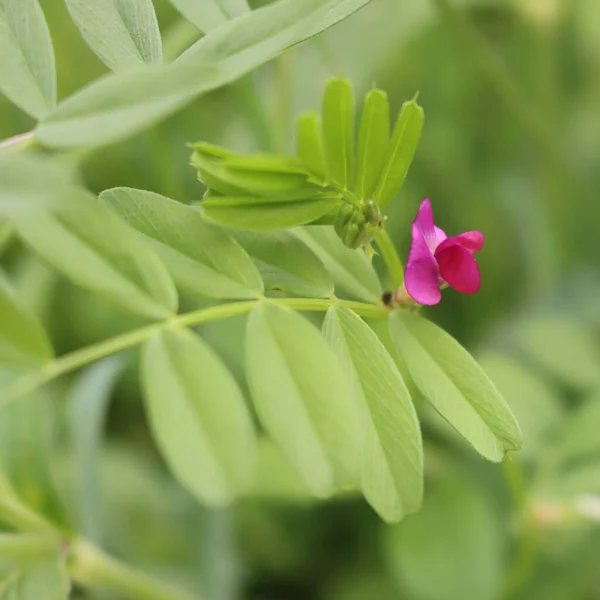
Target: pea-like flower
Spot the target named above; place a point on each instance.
(436, 259)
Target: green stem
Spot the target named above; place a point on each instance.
(91, 567)
(79, 358)
(23, 140)
(18, 548)
(528, 546)
(391, 258)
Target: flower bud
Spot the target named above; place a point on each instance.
(357, 226)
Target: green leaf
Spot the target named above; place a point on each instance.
(89, 244)
(562, 347)
(451, 550)
(88, 408)
(301, 396)
(351, 270)
(390, 452)
(400, 152)
(29, 182)
(450, 379)
(234, 8)
(27, 70)
(285, 263)
(198, 416)
(266, 214)
(47, 579)
(123, 103)
(338, 131)
(123, 33)
(201, 258)
(205, 15)
(23, 340)
(309, 145)
(373, 141)
(536, 406)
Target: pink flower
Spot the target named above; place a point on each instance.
(436, 259)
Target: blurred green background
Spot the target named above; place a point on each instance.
(511, 146)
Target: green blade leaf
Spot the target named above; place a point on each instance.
(373, 141)
(285, 263)
(309, 145)
(400, 152)
(89, 244)
(123, 103)
(23, 340)
(450, 379)
(205, 15)
(338, 132)
(351, 270)
(27, 69)
(311, 418)
(452, 549)
(47, 579)
(28, 183)
(202, 259)
(234, 8)
(122, 33)
(198, 416)
(266, 214)
(391, 452)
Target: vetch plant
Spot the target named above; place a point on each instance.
(273, 238)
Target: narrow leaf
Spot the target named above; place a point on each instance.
(309, 145)
(47, 579)
(400, 152)
(205, 15)
(27, 70)
(338, 131)
(285, 263)
(301, 396)
(351, 270)
(198, 416)
(201, 258)
(234, 8)
(123, 103)
(89, 244)
(23, 340)
(391, 454)
(265, 214)
(373, 141)
(448, 376)
(123, 33)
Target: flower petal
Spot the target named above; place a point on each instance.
(421, 276)
(457, 267)
(471, 240)
(424, 221)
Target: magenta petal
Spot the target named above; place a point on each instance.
(424, 221)
(457, 267)
(421, 275)
(471, 240)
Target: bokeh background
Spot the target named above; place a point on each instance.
(511, 146)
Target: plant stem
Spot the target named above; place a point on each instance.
(79, 358)
(18, 548)
(391, 258)
(21, 140)
(92, 568)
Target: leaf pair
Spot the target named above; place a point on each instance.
(380, 165)
(258, 192)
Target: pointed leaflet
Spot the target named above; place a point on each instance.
(89, 244)
(47, 579)
(350, 269)
(266, 214)
(234, 8)
(400, 152)
(122, 103)
(123, 33)
(390, 451)
(309, 145)
(27, 70)
(448, 376)
(198, 416)
(301, 396)
(285, 263)
(202, 259)
(23, 340)
(373, 141)
(338, 131)
(205, 15)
